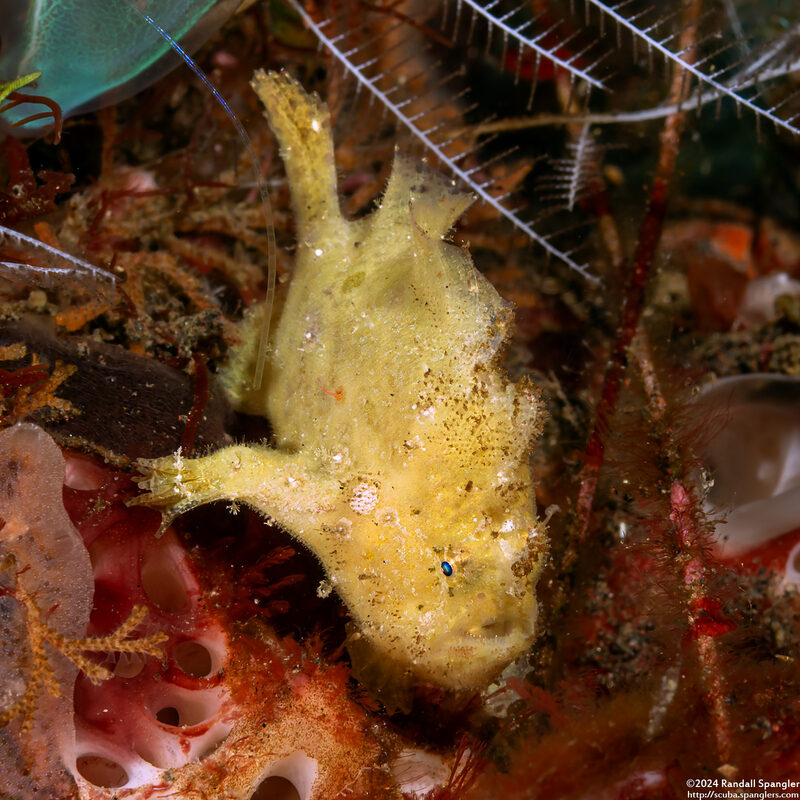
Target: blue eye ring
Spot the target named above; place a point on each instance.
(447, 569)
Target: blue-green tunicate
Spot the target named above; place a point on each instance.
(96, 52)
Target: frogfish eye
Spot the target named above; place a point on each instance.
(447, 569)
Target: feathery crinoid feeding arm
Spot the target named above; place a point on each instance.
(401, 448)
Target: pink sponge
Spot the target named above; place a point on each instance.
(45, 592)
(153, 715)
(120, 676)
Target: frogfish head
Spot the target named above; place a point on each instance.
(454, 602)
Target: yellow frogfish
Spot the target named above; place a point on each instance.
(401, 449)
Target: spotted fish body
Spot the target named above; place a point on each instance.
(401, 449)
